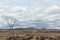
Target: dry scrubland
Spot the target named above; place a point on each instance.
(30, 35)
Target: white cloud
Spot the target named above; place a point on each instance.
(34, 12)
(45, 0)
(3, 7)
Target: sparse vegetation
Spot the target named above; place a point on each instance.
(29, 35)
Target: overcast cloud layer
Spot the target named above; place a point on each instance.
(31, 13)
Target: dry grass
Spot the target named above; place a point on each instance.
(30, 35)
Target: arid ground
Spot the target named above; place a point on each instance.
(30, 35)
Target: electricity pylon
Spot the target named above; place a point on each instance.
(11, 23)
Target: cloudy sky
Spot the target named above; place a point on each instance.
(30, 13)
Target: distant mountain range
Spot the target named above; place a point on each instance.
(29, 29)
(26, 29)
